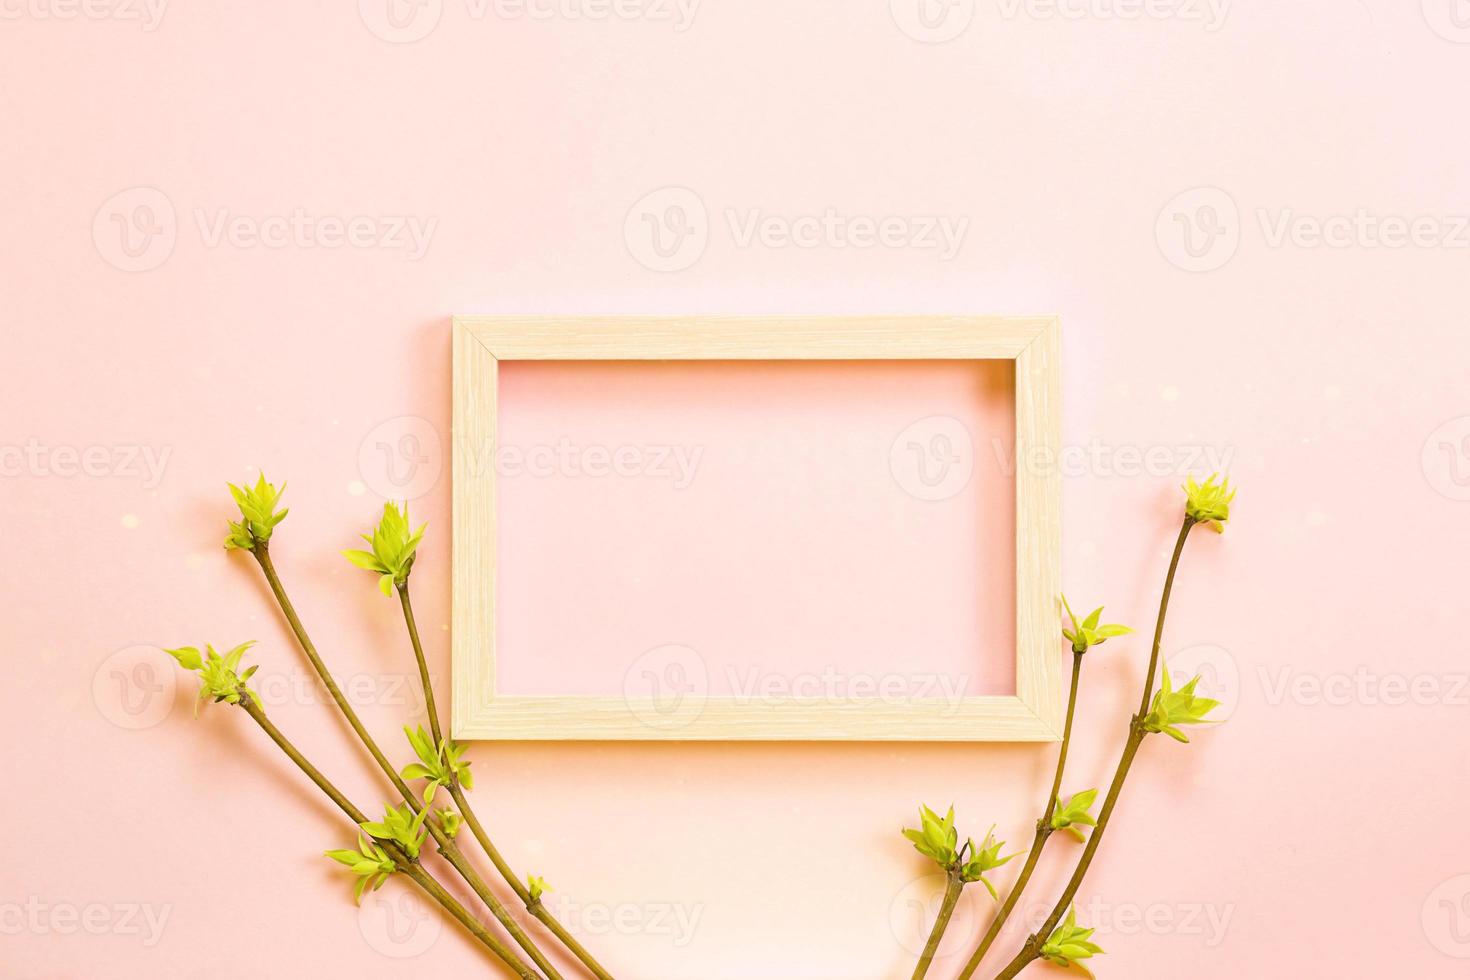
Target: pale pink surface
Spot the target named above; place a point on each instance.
(755, 520)
(1326, 828)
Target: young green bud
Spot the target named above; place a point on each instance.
(1073, 815)
(258, 514)
(982, 859)
(402, 826)
(1087, 633)
(369, 862)
(1172, 708)
(1208, 503)
(220, 677)
(393, 547)
(1069, 944)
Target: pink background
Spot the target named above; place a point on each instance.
(1320, 823)
(782, 546)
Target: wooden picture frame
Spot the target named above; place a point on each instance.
(1033, 713)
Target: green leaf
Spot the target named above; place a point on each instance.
(189, 658)
(1069, 943)
(363, 559)
(1087, 633)
(1172, 708)
(1073, 814)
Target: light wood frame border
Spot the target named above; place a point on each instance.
(1033, 713)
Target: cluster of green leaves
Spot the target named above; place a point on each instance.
(369, 862)
(1087, 633)
(449, 822)
(1208, 503)
(1172, 708)
(393, 547)
(984, 858)
(258, 514)
(439, 766)
(1072, 816)
(936, 838)
(538, 887)
(402, 826)
(1069, 944)
(220, 677)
